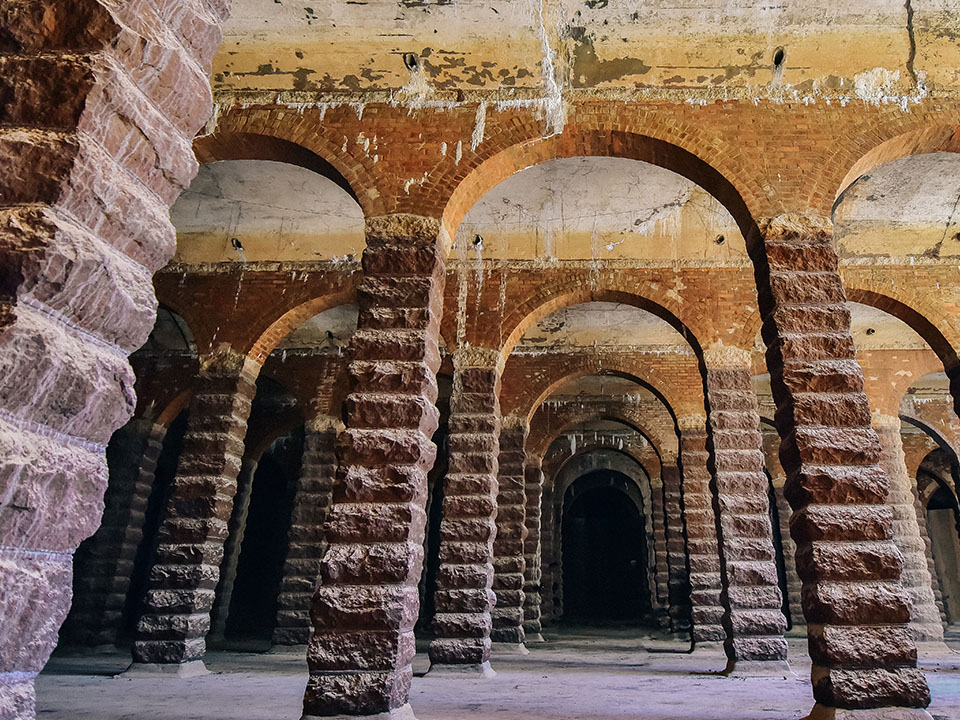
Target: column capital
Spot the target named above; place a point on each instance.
(515, 422)
(796, 224)
(418, 229)
(324, 423)
(469, 356)
(719, 356)
(692, 422)
(882, 421)
(226, 361)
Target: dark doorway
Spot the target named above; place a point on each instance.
(604, 553)
(253, 602)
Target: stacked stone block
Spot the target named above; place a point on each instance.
(753, 617)
(857, 611)
(706, 614)
(549, 562)
(231, 550)
(925, 623)
(101, 101)
(661, 574)
(305, 540)
(678, 581)
(105, 562)
(367, 600)
(532, 572)
(186, 569)
(508, 555)
(464, 595)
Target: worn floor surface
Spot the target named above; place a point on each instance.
(578, 674)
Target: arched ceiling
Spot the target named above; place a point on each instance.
(599, 386)
(276, 211)
(326, 332)
(602, 325)
(600, 208)
(711, 48)
(908, 207)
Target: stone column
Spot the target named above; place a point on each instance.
(104, 562)
(464, 595)
(753, 616)
(231, 551)
(101, 102)
(508, 558)
(706, 614)
(532, 570)
(856, 609)
(925, 624)
(305, 541)
(367, 600)
(661, 570)
(799, 624)
(927, 548)
(548, 556)
(176, 617)
(678, 581)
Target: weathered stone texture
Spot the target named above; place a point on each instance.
(367, 601)
(753, 619)
(464, 598)
(925, 623)
(508, 548)
(532, 569)
(100, 103)
(186, 567)
(105, 562)
(706, 614)
(306, 544)
(830, 454)
(678, 581)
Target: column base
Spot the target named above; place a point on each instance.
(404, 712)
(822, 712)
(194, 668)
(758, 668)
(288, 650)
(466, 670)
(504, 648)
(534, 638)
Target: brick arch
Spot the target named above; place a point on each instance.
(915, 312)
(173, 409)
(601, 446)
(299, 140)
(282, 326)
(643, 490)
(584, 365)
(222, 146)
(290, 421)
(539, 443)
(942, 442)
(922, 140)
(592, 132)
(551, 298)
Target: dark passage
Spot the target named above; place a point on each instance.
(604, 570)
(253, 604)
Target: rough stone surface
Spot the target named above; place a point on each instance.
(751, 597)
(366, 603)
(464, 595)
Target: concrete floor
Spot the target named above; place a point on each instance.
(577, 674)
